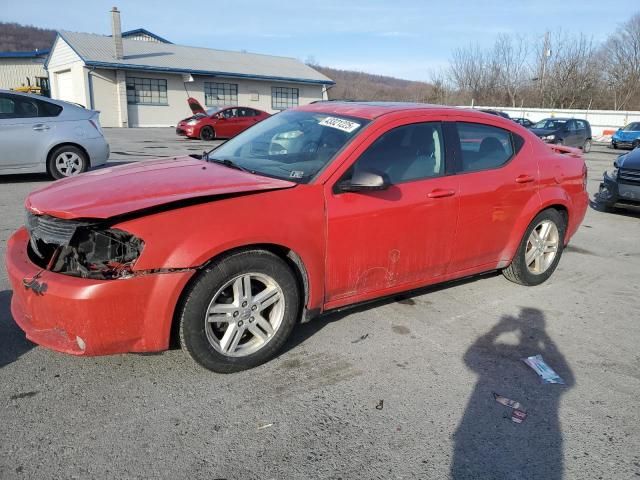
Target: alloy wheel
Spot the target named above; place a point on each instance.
(542, 247)
(69, 164)
(244, 314)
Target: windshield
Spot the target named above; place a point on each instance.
(292, 145)
(632, 127)
(550, 124)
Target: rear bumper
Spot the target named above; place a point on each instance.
(91, 317)
(98, 150)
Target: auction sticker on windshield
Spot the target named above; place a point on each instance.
(339, 123)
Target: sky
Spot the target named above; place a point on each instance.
(402, 38)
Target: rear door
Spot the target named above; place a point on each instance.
(383, 241)
(572, 138)
(26, 130)
(496, 180)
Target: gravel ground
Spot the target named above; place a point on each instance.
(397, 389)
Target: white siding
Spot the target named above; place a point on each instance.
(15, 71)
(143, 37)
(62, 54)
(160, 116)
(63, 59)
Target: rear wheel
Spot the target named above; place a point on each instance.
(239, 312)
(539, 251)
(586, 148)
(207, 134)
(67, 161)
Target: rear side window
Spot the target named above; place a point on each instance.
(15, 106)
(485, 147)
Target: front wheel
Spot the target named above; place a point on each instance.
(239, 312)
(539, 251)
(207, 134)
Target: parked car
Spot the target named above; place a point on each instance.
(571, 132)
(499, 113)
(525, 122)
(628, 136)
(38, 134)
(218, 122)
(621, 186)
(230, 250)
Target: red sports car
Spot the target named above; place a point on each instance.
(315, 208)
(218, 122)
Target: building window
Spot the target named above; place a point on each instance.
(220, 93)
(284, 97)
(146, 91)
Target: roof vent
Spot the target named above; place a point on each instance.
(116, 31)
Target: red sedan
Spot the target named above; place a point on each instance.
(316, 208)
(218, 122)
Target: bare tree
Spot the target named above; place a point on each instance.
(510, 55)
(621, 55)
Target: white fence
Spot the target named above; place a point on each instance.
(603, 122)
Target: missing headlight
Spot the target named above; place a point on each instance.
(98, 254)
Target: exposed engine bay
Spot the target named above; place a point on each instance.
(81, 248)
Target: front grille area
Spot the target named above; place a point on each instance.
(629, 176)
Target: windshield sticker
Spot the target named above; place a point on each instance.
(296, 174)
(339, 123)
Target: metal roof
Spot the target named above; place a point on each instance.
(32, 54)
(98, 51)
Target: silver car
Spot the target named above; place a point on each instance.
(38, 134)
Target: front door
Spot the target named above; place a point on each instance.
(398, 238)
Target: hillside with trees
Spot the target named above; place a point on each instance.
(23, 38)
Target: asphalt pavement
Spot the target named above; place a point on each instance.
(398, 389)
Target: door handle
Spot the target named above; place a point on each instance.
(40, 127)
(440, 193)
(524, 179)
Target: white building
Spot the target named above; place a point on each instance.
(23, 69)
(138, 79)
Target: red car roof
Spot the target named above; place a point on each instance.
(370, 110)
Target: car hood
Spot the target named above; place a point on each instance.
(195, 106)
(110, 192)
(541, 132)
(627, 135)
(630, 161)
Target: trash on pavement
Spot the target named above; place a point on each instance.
(507, 402)
(518, 416)
(261, 427)
(547, 373)
(363, 337)
(380, 405)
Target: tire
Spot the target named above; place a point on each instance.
(586, 148)
(67, 161)
(207, 134)
(522, 272)
(231, 343)
(614, 145)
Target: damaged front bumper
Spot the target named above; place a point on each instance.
(84, 316)
(614, 193)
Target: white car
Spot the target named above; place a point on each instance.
(38, 134)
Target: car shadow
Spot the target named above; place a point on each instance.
(306, 330)
(487, 443)
(13, 343)
(25, 178)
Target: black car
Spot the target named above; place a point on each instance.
(571, 132)
(621, 186)
(525, 122)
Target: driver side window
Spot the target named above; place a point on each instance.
(406, 153)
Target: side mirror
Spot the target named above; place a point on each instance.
(364, 181)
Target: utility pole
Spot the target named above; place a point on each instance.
(546, 53)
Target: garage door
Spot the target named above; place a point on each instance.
(64, 82)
